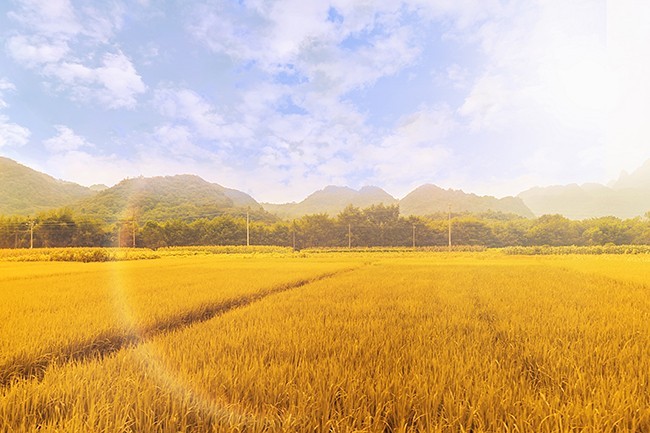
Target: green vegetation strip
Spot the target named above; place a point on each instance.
(85, 255)
(569, 250)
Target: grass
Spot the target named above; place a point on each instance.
(476, 342)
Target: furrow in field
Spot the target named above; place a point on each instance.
(24, 368)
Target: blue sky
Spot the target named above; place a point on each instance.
(280, 98)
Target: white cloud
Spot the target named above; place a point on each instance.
(418, 145)
(65, 140)
(487, 103)
(101, 23)
(523, 83)
(61, 20)
(178, 141)
(463, 13)
(35, 50)
(628, 96)
(61, 41)
(187, 105)
(4, 86)
(457, 75)
(12, 134)
(115, 83)
(537, 97)
(52, 18)
(296, 36)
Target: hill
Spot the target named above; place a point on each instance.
(163, 198)
(430, 199)
(579, 201)
(627, 197)
(332, 200)
(639, 179)
(24, 191)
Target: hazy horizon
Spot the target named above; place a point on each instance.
(281, 99)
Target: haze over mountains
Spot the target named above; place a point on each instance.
(428, 199)
(332, 200)
(627, 197)
(24, 191)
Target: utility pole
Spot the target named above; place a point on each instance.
(349, 236)
(31, 234)
(134, 225)
(248, 230)
(293, 233)
(413, 236)
(449, 224)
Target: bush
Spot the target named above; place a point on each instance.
(592, 250)
(85, 255)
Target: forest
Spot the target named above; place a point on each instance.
(378, 225)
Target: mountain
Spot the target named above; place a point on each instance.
(637, 180)
(24, 191)
(98, 187)
(430, 199)
(332, 200)
(163, 198)
(577, 201)
(627, 197)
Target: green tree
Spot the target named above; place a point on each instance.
(554, 230)
(601, 231)
(55, 228)
(90, 233)
(315, 230)
(153, 235)
(471, 231)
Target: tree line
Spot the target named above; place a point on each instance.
(377, 225)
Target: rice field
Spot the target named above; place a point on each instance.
(327, 342)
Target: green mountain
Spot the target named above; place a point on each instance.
(24, 191)
(430, 199)
(332, 200)
(163, 198)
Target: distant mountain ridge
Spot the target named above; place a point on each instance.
(332, 200)
(425, 200)
(627, 197)
(429, 199)
(24, 191)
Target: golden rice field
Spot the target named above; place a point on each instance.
(328, 342)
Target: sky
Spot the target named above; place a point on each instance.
(281, 98)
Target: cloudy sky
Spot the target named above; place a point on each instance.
(279, 98)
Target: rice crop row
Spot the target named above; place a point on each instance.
(54, 311)
(403, 345)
